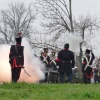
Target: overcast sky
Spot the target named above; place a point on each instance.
(79, 7)
(84, 6)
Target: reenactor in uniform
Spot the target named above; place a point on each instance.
(46, 60)
(53, 73)
(66, 62)
(16, 58)
(97, 75)
(87, 70)
(53, 60)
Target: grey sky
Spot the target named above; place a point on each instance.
(79, 7)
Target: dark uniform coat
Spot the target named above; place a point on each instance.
(46, 60)
(66, 61)
(16, 57)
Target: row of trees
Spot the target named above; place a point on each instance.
(58, 14)
(60, 20)
(57, 20)
(15, 19)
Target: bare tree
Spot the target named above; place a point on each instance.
(58, 16)
(85, 26)
(39, 41)
(17, 18)
(85, 23)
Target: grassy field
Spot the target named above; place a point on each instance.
(24, 91)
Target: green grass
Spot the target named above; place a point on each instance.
(24, 91)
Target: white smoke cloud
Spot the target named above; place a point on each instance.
(5, 74)
(33, 65)
(74, 41)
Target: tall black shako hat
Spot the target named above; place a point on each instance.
(66, 45)
(45, 49)
(18, 38)
(87, 51)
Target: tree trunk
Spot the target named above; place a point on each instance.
(70, 16)
(81, 54)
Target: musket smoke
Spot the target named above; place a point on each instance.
(32, 65)
(73, 40)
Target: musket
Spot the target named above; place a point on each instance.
(26, 72)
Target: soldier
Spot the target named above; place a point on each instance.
(16, 58)
(97, 75)
(53, 60)
(87, 66)
(53, 73)
(46, 60)
(66, 62)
